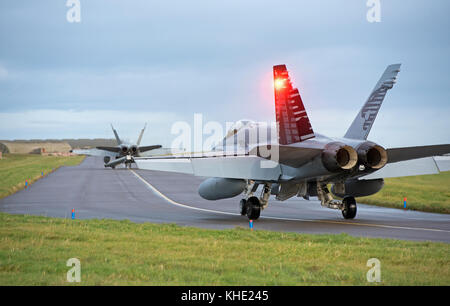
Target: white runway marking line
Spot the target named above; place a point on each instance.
(157, 192)
(176, 203)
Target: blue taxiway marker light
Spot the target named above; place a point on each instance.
(26, 183)
(250, 224)
(404, 203)
(73, 213)
(42, 173)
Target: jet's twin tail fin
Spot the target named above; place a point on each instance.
(141, 134)
(292, 119)
(116, 135)
(120, 141)
(363, 122)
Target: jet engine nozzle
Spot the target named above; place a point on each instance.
(371, 155)
(134, 149)
(338, 156)
(124, 149)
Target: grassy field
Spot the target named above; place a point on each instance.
(34, 251)
(425, 193)
(16, 168)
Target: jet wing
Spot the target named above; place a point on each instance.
(244, 167)
(401, 154)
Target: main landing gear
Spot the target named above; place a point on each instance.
(252, 205)
(347, 205)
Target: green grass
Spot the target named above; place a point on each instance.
(425, 193)
(34, 251)
(16, 168)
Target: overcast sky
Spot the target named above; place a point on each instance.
(136, 61)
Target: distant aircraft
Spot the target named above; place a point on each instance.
(122, 153)
(307, 161)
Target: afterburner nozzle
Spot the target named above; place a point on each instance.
(338, 156)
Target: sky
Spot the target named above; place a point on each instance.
(158, 62)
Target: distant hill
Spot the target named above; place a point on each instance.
(81, 143)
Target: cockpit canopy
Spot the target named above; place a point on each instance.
(238, 126)
(244, 133)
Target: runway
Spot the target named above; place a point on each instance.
(159, 197)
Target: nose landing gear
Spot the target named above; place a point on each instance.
(251, 208)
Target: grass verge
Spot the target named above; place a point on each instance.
(34, 251)
(429, 193)
(16, 168)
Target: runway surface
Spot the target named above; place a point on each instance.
(159, 197)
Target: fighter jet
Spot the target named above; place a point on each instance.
(122, 153)
(298, 161)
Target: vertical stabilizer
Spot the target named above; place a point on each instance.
(363, 122)
(141, 134)
(116, 135)
(292, 119)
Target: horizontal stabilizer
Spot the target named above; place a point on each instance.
(421, 166)
(149, 148)
(400, 154)
(109, 149)
(292, 155)
(443, 163)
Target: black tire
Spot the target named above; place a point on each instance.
(253, 208)
(349, 211)
(243, 207)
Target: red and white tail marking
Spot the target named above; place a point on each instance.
(292, 119)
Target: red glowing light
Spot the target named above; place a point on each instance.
(279, 83)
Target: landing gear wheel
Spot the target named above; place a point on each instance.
(349, 211)
(243, 205)
(113, 167)
(253, 208)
